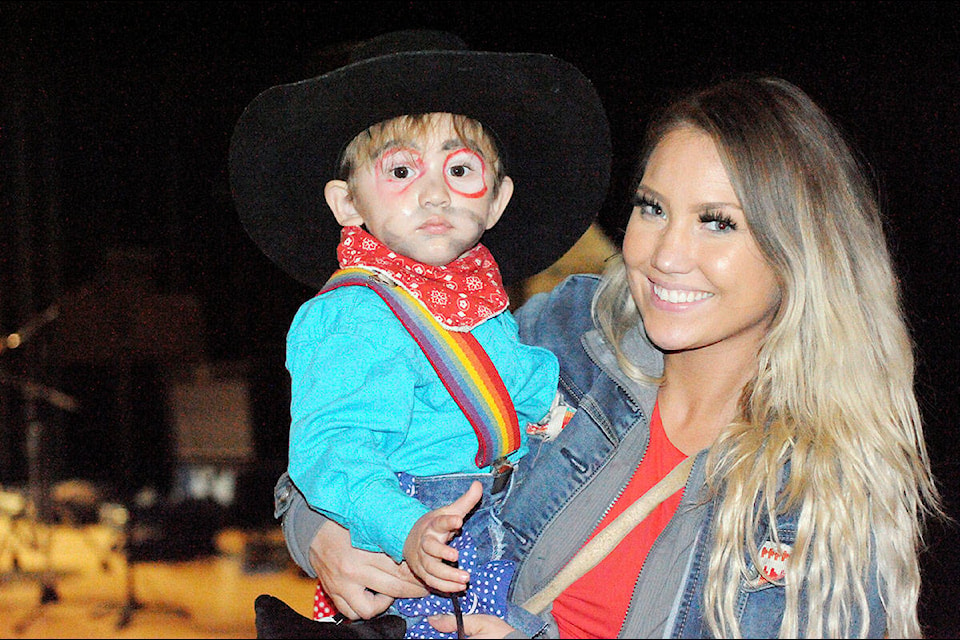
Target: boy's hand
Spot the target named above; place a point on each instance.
(426, 551)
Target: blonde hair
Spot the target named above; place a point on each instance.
(368, 144)
(830, 425)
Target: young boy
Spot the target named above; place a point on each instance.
(381, 439)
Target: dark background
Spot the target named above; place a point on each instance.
(119, 243)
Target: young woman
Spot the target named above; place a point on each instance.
(753, 322)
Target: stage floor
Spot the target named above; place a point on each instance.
(66, 581)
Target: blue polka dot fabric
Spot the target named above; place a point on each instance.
(487, 593)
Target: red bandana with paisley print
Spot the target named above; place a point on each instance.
(460, 295)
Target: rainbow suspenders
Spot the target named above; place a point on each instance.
(463, 366)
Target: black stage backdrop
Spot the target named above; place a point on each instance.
(121, 254)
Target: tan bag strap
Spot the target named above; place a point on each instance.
(600, 545)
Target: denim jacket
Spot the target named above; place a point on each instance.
(563, 487)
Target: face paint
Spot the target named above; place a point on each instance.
(465, 173)
(427, 197)
(397, 169)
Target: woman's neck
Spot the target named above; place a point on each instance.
(701, 392)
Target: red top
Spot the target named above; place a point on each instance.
(595, 605)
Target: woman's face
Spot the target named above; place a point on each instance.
(694, 268)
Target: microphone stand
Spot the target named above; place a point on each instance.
(37, 505)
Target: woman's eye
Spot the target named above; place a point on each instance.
(647, 207)
(718, 221)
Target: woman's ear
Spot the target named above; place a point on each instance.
(337, 194)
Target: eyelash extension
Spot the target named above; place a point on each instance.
(643, 200)
(716, 216)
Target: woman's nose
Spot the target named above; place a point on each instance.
(674, 250)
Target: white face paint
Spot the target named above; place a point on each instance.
(429, 198)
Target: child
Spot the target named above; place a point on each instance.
(381, 439)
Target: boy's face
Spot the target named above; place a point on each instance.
(429, 198)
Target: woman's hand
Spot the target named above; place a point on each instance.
(475, 626)
(360, 583)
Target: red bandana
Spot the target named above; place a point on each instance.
(460, 295)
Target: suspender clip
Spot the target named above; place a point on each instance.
(502, 470)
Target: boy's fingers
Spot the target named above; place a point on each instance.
(440, 550)
(465, 503)
(446, 584)
(446, 577)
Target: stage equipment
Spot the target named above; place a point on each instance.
(116, 324)
(121, 520)
(36, 515)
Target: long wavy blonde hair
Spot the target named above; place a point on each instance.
(833, 398)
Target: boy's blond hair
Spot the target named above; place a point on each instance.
(368, 144)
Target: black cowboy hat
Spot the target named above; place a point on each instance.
(546, 115)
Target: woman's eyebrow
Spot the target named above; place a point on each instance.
(644, 190)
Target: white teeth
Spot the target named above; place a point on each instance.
(675, 296)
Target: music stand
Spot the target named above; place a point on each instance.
(116, 323)
(119, 517)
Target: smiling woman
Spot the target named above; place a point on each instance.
(795, 373)
(695, 270)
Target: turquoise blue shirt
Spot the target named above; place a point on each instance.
(366, 404)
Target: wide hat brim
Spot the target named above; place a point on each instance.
(546, 115)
